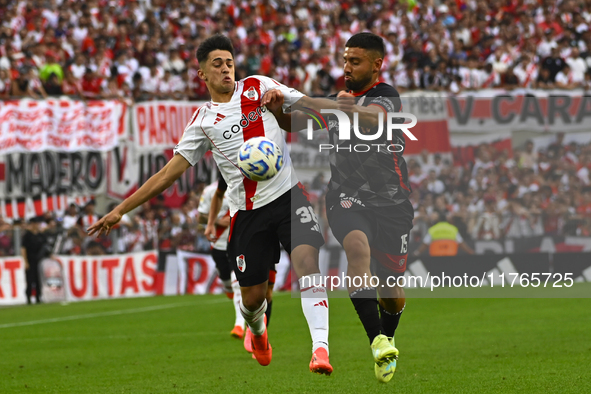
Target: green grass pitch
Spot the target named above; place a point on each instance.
(182, 345)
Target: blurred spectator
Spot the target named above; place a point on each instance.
(27, 85)
(53, 86)
(71, 217)
(88, 217)
(544, 80)
(566, 79)
(528, 158)
(33, 250)
(91, 85)
(6, 238)
(5, 83)
(526, 72)
(71, 86)
(487, 225)
(443, 239)
(52, 67)
(435, 185)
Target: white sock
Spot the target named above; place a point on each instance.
(227, 283)
(315, 308)
(255, 319)
(237, 298)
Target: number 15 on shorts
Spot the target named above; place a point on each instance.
(403, 243)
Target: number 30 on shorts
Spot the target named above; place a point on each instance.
(306, 214)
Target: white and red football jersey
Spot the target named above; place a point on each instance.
(204, 206)
(223, 128)
(86, 220)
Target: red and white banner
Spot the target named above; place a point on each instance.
(61, 125)
(32, 206)
(431, 130)
(160, 124)
(492, 110)
(128, 168)
(197, 274)
(115, 276)
(12, 281)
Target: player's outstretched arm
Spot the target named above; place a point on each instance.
(273, 99)
(214, 210)
(296, 120)
(368, 116)
(153, 187)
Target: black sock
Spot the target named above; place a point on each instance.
(390, 321)
(268, 311)
(366, 304)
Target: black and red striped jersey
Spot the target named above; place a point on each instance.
(367, 170)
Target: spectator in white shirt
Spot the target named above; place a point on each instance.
(526, 72)
(470, 74)
(417, 175)
(545, 46)
(434, 185)
(489, 77)
(584, 172)
(565, 79)
(79, 67)
(577, 65)
(171, 86)
(500, 60)
(151, 83)
(71, 217)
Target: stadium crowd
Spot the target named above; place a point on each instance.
(504, 194)
(500, 194)
(142, 50)
(153, 226)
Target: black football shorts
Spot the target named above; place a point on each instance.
(255, 235)
(386, 228)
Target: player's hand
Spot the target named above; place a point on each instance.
(210, 233)
(273, 99)
(346, 101)
(104, 225)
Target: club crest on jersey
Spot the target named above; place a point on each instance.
(241, 263)
(347, 202)
(401, 262)
(252, 94)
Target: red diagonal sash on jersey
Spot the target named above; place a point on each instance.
(254, 129)
(529, 72)
(488, 82)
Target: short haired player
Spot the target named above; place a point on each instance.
(367, 203)
(263, 213)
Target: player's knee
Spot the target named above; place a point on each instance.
(253, 302)
(305, 260)
(254, 297)
(356, 248)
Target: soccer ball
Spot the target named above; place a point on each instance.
(259, 159)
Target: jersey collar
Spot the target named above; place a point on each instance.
(214, 104)
(365, 91)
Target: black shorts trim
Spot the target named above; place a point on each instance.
(254, 247)
(387, 230)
